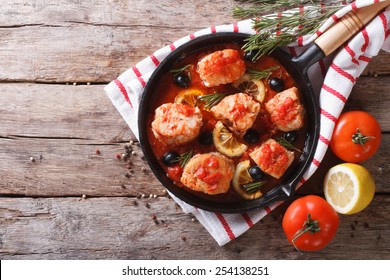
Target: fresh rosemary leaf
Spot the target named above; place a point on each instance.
(253, 187)
(261, 74)
(282, 141)
(184, 158)
(180, 69)
(211, 99)
(282, 28)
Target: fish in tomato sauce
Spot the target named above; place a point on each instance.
(176, 124)
(237, 111)
(272, 158)
(210, 173)
(246, 114)
(221, 67)
(286, 110)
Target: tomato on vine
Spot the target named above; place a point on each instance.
(310, 223)
(356, 137)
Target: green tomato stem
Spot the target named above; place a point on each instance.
(310, 225)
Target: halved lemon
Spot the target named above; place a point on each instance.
(255, 88)
(242, 177)
(188, 97)
(226, 143)
(349, 188)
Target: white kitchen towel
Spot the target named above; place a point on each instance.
(332, 77)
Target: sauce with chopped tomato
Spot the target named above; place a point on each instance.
(168, 90)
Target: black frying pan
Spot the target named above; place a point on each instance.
(297, 67)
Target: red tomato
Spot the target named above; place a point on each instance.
(310, 223)
(356, 137)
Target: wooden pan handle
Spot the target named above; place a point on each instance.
(348, 26)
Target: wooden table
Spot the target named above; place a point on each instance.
(61, 199)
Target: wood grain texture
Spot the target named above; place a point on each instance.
(45, 47)
(116, 228)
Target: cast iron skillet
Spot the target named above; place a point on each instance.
(297, 67)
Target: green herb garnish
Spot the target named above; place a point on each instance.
(178, 70)
(283, 28)
(253, 187)
(261, 74)
(211, 99)
(282, 141)
(184, 158)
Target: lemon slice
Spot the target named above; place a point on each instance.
(255, 88)
(241, 177)
(188, 97)
(349, 188)
(226, 143)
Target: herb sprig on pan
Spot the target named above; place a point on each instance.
(253, 187)
(211, 99)
(261, 74)
(282, 141)
(283, 28)
(184, 158)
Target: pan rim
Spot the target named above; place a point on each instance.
(281, 192)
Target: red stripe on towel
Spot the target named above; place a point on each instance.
(235, 27)
(225, 225)
(365, 58)
(123, 91)
(316, 162)
(366, 39)
(343, 73)
(353, 6)
(384, 21)
(328, 115)
(335, 93)
(267, 209)
(352, 54)
(155, 60)
(136, 71)
(324, 140)
(247, 219)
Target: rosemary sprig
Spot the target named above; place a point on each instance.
(253, 187)
(275, 30)
(211, 99)
(261, 74)
(184, 158)
(282, 141)
(265, 6)
(180, 69)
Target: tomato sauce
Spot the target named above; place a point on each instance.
(167, 92)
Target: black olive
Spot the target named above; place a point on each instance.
(182, 80)
(250, 56)
(256, 173)
(206, 138)
(251, 136)
(276, 84)
(170, 158)
(291, 136)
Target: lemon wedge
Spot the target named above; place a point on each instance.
(188, 97)
(226, 143)
(242, 177)
(255, 88)
(349, 188)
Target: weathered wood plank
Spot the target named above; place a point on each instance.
(60, 111)
(66, 124)
(116, 228)
(86, 112)
(117, 13)
(72, 168)
(46, 40)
